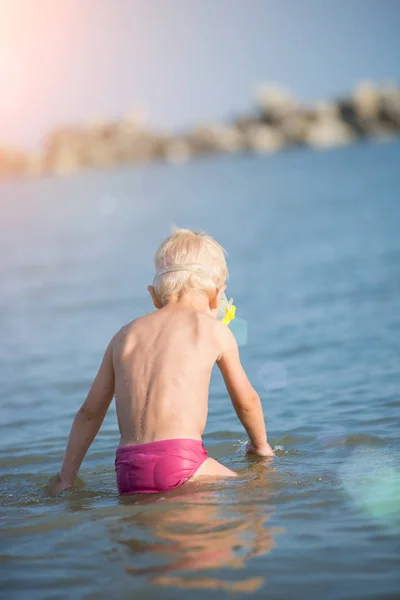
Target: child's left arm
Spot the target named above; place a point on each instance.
(87, 422)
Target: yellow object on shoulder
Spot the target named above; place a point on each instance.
(226, 310)
(230, 314)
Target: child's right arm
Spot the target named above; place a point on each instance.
(244, 398)
(86, 424)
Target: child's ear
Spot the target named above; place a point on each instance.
(214, 302)
(152, 292)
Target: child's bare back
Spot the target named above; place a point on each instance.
(158, 367)
(162, 364)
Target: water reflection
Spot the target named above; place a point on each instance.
(175, 541)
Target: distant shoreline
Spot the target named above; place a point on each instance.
(278, 122)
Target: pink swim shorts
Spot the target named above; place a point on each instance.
(157, 466)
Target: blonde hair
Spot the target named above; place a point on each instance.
(188, 260)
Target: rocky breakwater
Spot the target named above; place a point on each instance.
(278, 122)
(283, 122)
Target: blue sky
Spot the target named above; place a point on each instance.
(185, 60)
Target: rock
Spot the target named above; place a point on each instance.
(101, 144)
(390, 107)
(64, 150)
(350, 117)
(12, 162)
(326, 110)
(294, 126)
(35, 165)
(177, 151)
(328, 133)
(216, 138)
(264, 138)
(243, 122)
(65, 162)
(136, 145)
(275, 102)
(367, 101)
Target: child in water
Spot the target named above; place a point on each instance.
(159, 368)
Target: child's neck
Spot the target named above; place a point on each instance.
(194, 300)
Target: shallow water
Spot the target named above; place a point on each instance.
(314, 256)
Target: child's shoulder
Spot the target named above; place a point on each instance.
(125, 330)
(203, 320)
(136, 324)
(218, 330)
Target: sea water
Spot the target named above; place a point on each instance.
(313, 243)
